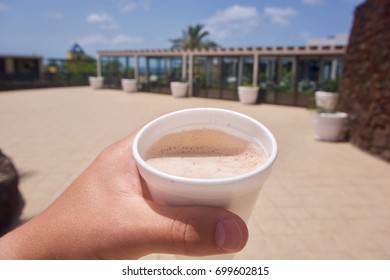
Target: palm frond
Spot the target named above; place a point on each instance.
(192, 38)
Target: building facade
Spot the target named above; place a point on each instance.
(20, 68)
(285, 75)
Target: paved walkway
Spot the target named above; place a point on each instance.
(322, 201)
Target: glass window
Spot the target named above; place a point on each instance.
(2, 65)
(122, 67)
(246, 77)
(268, 70)
(230, 73)
(130, 66)
(286, 74)
(105, 64)
(199, 70)
(326, 72)
(175, 68)
(215, 72)
(268, 73)
(142, 69)
(308, 74)
(152, 65)
(330, 74)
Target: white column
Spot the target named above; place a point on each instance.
(98, 66)
(240, 67)
(255, 69)
(183, 66)
(41, 69)
(321, 76)
(333, 72)
(295, 68)
(9, 66)
(190, 74)
(136, 71)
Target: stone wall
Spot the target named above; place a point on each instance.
(365, 86)
(10, 198)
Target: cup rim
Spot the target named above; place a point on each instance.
(202, 181)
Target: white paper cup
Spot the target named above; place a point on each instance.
(237, 194)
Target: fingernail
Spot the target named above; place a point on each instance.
(228, 235)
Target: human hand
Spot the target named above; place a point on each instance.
(107, 213)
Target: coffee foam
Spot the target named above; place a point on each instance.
(204, 153)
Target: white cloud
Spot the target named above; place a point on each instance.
(98, 18)
(234, 19)
(313, 2)
(124, 39)
(280, 16)
(129, 6)
(104, 41)
(104, 21)
(3, 7)
(305, 35)
(93, 39)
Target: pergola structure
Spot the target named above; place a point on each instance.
(286, 73)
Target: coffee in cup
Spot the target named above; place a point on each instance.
(204, 154)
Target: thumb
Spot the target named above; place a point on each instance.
(198, 231)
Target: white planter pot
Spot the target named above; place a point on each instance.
(248, 95)
(96, 82)
(326, 101)
(329, 126)
(129, 85)
(179, 89)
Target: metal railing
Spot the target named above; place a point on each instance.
(27, 81)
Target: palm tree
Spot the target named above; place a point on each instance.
(192, 38)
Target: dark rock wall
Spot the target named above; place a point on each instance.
(10, 197)
(365, 86)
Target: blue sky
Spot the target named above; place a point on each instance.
(50, 27)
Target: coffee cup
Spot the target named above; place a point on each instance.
(236, 193)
